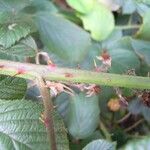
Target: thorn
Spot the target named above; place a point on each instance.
(68, 75)
(11, 26)
(40, 118)
(40, 96)
(65, 129)
(52, 67)
(20, 71)
(1, 66)
(95, 65)
(55, 107)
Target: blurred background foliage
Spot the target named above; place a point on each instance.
(73, 33)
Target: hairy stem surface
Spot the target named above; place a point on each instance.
(73, 75)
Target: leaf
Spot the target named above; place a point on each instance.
(123, 56)
(100, 145)
(94, 49)
(124, 42)
(133, 105)
(60, 132)
(83, 116)
(12, 33)
(62, 103)
(144, 31)
(25, 48)
(104, 97)
(142, 144)
(142, 49)
(13, 6)
(123, 60)
(100, 22)
(137, 107)
(112, 39)
(6, 17)
(12, 88)
(83, 6)
(38, 5)
(146, 112)
(75, 146)
(21, 129)
(62, 37)
(129, 6)
(110, 4)
(142, 8)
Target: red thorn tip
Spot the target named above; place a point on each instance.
(68, 75)
(46, 122)
(97, 69)
(52, 67)
(21, 71)
(1, 66)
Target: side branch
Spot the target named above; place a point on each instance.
(48, 111)
(72, 75)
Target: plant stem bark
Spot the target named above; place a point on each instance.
(72, 75)
(48, 111)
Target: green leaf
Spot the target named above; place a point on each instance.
(142, 49)
(110, 4)
(133, 105)
(60, 132)
(144, 31)
(142, 144)
(13, 6)
(83, 115)
(12, 33)
(38, 5)
(113, 38)
(62, 37)
(123, 56)
(123, 60)
(6, 17)
(142, 109)
(124, 42)
(12, 88)
(21, 129)
(100, 145)
(62, 103)
(75, 146)
(129, 6)
(143, 8)
(100, 22)
(146, 112)
(25, 48)
(83, 6)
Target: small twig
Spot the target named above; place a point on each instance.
(134, 125)
(124, 118)
(128, 27)
(136, 136)
(48, 105)
(105, 131)
(48, 109)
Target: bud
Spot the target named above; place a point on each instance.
(114, 104)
